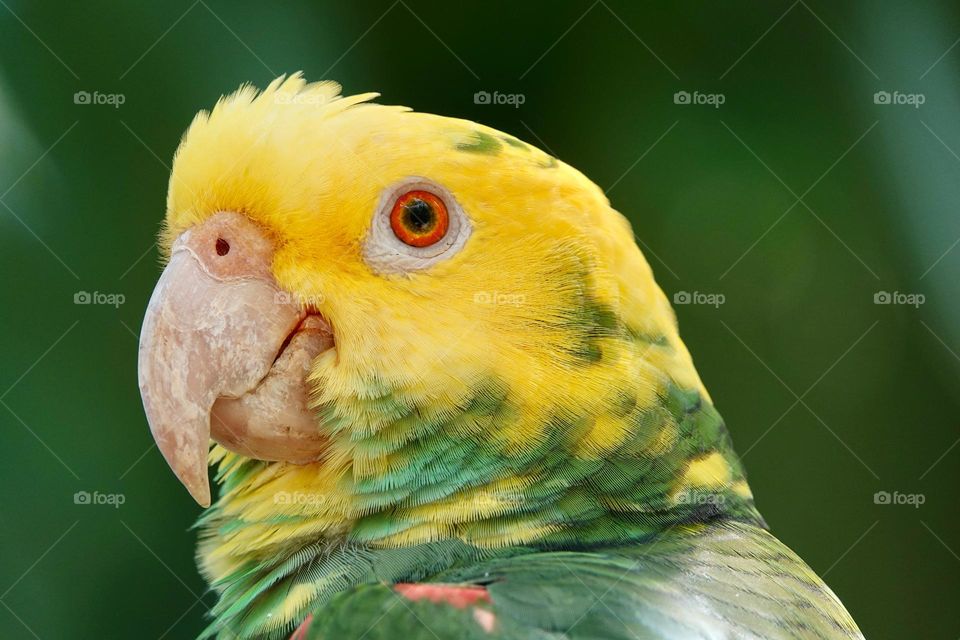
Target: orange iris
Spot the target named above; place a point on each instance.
(419, 218)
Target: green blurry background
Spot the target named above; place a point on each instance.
(797, 200)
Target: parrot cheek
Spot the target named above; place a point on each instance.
(224, 353)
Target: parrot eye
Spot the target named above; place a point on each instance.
(417, 223)
(419, 218)
(222, 246)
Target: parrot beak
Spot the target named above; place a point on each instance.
(225, 352)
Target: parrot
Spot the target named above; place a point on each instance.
(440, 393)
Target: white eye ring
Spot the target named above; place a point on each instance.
(388, 254)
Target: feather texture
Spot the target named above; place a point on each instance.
(529, 395)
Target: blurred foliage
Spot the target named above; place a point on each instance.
(797, 199)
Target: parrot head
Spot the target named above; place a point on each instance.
(400, 328)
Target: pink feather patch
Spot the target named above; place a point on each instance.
(303, 629)
(459, 597)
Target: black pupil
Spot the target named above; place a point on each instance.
(419, 216)
(223, 247)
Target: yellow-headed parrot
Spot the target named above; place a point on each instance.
(446, 397)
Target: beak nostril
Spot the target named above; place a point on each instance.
(223, 247)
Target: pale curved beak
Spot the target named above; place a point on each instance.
(216, 327)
